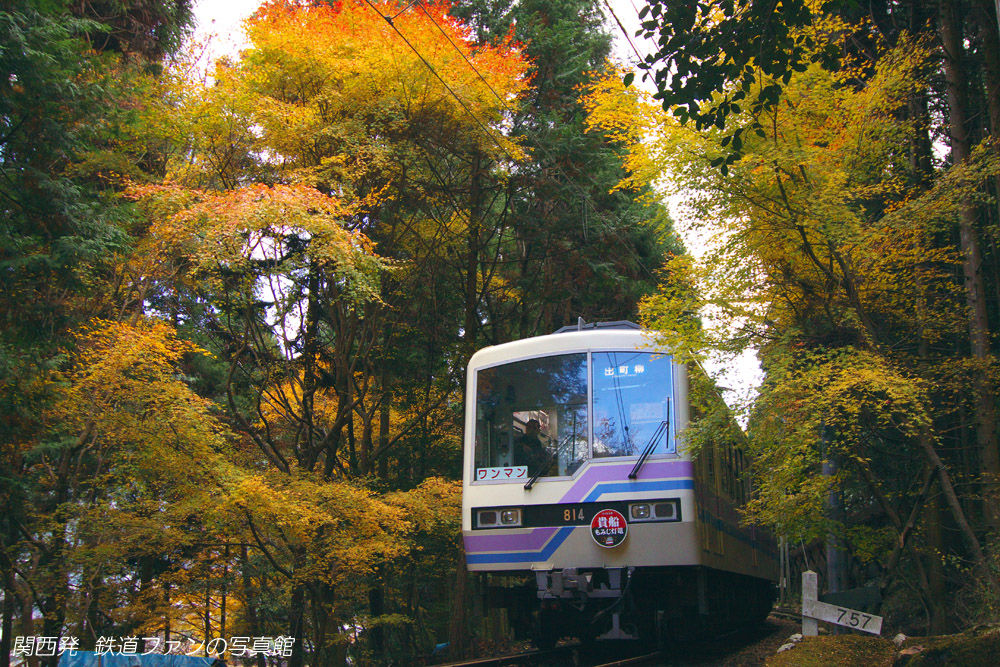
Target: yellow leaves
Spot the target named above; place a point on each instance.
(655, 145)
(815, 221)
(324, 530)
(238, 233)
(315, 68)
(123, 400)
(434, 506)
(833, 405)
(117, 360)
(848, 393)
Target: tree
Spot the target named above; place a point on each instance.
(568, 226)
(714, 58)
(359, 145)
(64, 101)
(834, 262)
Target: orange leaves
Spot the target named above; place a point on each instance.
(317, 66)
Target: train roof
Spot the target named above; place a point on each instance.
(568, 339)
(582, 326)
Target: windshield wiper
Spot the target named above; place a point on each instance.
(548, 462)
(650, 446)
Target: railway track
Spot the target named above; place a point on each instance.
(787, 614)
(570, 654)
(648, 659)
(743, 644)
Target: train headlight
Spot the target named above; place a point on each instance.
(511, 517)
(665, 510)
(487, 518)
(639, 511)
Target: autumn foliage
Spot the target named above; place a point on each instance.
(849, 249)
(237, 299)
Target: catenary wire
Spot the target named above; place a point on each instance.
(624, 31)
(507, 108)
(584, 194)
(587, 199)
(486, 131)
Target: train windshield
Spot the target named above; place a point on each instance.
(538, 416)
(531, 418)
(631, 402)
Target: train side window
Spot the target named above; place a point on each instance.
(741, 471)
(724, 471)
(531, 417)
(731, 472)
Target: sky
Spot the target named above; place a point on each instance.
(223, 19)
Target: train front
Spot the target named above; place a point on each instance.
(574, 483)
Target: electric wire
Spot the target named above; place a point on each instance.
(486, 131)
(624, 31)
(585, 196)
(462, 53)
(507, 108)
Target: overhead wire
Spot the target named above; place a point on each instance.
(585, 196)
(587, 199)
(391, 21)
(503, 102)
(624, 31)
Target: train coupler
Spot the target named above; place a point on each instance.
(567, 583)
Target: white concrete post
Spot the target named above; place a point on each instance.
(810, 593)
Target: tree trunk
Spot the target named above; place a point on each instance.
(250, 601)
(457, 626)
(951, 498)
(473, 253)
(224, 592)
(938, 623)
(384, 423)
(208, 609)
(376, 605)
(986, 20)
(7, 624)
(28, 624)
(295, 630)
(308, 453)
(979, 344)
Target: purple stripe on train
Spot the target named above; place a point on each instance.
(619, 473)
(531, 541)
(595, 474)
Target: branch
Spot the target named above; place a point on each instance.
(260, 545)
(270, 452)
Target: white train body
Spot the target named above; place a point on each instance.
(609, 409)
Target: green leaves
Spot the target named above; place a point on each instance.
(717, 52)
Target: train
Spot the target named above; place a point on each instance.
(584, 512)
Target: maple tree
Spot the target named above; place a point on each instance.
(357, 147)
(233, 407)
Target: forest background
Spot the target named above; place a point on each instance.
(237, 303)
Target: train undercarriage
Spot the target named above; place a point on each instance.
(652, 604)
